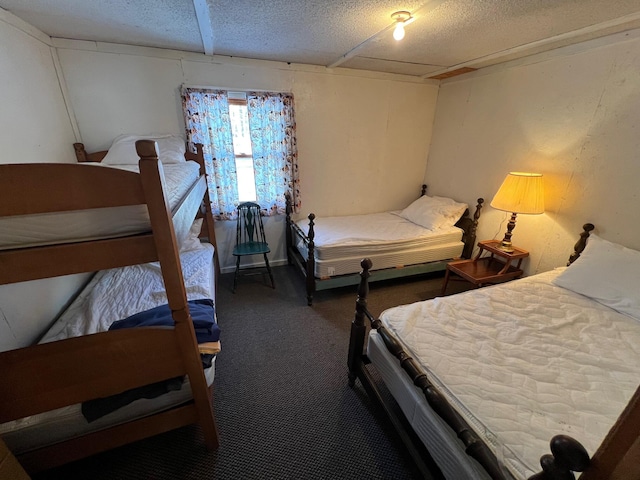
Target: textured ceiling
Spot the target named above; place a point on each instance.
(446, 34)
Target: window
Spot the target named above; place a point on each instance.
(239, 117)
(249, 145)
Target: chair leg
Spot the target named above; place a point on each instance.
(266, 261)
(235, 276)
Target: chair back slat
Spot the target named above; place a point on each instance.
(249, 228)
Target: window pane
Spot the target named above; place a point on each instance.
(240, 128)
(246, 179)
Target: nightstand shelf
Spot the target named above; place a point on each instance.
(497, 267)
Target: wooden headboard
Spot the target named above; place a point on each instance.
(83, 156)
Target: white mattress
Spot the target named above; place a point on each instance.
(569, 365)
(135, 288)
(386, 238)
(66, 227)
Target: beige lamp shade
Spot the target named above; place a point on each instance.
(520, 193)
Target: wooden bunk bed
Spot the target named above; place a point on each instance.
(616, 457)
(49, 376)
(302, 251)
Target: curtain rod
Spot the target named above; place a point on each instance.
(209, 87)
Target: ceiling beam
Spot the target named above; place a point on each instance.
(352, 53)
(204, 24)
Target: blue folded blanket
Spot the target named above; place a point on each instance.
(202, 314)
(206, 329)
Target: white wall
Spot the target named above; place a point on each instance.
(34, 127)
(362, 137)
(572, 114)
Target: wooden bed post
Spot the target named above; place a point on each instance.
(578, 248)
(81, 154)
(470, 227)
(166, 245)
(358, 327)
(288, 236)
(311, 261)
(567, 456)
(207, 214)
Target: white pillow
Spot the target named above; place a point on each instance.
(192, 242)
(434, 213)
(171, 149)
(608, 273)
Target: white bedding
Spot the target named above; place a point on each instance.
(521, 361)
(113, 295)
(137, 288)
(65, 227)
(388, 239)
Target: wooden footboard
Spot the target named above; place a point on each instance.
(306, 264)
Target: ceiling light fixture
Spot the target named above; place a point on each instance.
(402, 19)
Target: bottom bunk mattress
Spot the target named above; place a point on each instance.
(388, 239)
(110, 296)
(521, 362)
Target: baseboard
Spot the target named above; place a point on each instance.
(273, 263)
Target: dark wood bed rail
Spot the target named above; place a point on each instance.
(567, 454)
(306, 266)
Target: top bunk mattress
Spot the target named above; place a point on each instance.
(374, 234)
(524, 361)
(66, 227)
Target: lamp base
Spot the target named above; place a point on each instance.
(505, 246)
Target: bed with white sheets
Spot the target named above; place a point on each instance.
(131, 219)
(112, 295)
(82, 225)
(556, 353)
(418, 239)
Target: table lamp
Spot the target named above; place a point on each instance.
(519, 193)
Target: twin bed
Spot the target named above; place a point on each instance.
(134, 225)
(487, 377)
(418, 239)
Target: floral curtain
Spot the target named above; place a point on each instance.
(273, 142)
(206, 114)
(272, 128)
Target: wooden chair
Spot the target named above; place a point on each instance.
(250, 238)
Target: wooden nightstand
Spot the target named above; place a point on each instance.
(497, 267)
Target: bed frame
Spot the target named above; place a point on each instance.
(306, 266)
(618, 457)
(44, 377)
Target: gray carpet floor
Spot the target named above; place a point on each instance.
(282, 402)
